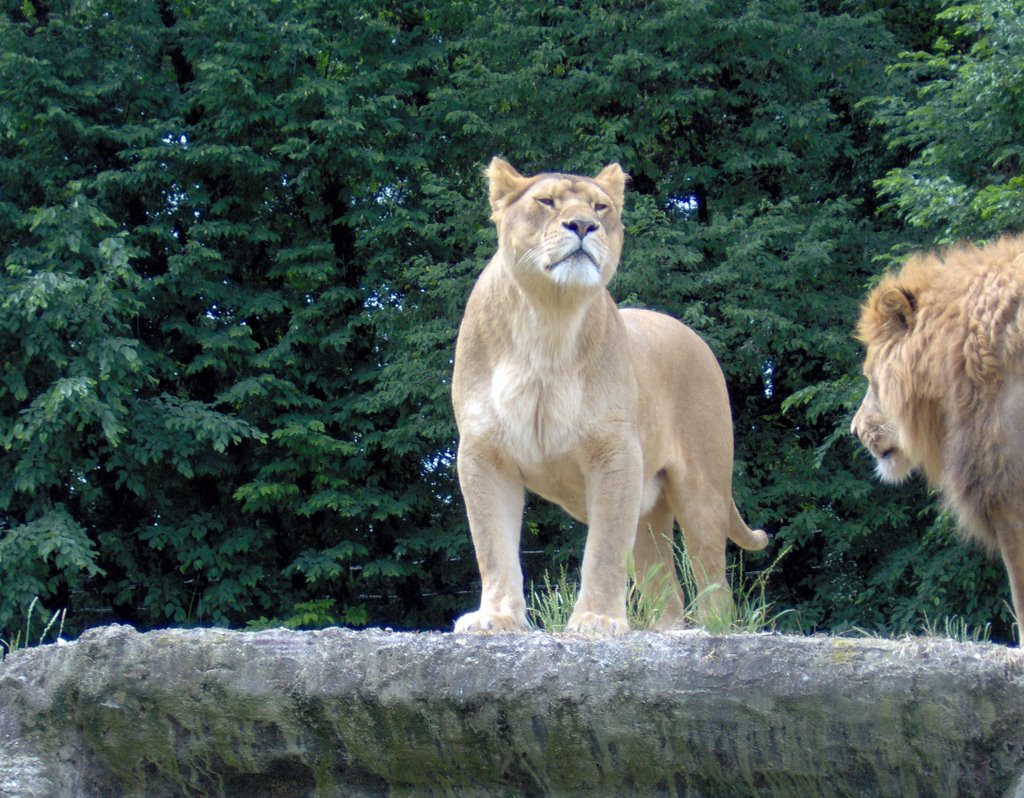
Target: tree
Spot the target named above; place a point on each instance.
(193, 421)
(237, 242)
(752, 217)
(961, 127)
(957, 130)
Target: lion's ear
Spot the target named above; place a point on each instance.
(613, 180)
(897, 307)
(504, 182)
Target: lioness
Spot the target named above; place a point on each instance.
(622, 418)
(945, 370)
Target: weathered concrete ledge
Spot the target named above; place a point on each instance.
(342, 713)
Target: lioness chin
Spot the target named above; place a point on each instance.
(620, 417)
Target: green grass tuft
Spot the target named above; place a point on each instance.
(551, 602)
(23, 639)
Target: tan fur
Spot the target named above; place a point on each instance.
(945, 369)
(622, 418)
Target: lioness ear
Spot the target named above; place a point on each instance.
(505, 182)
(897, 307)
(613, 180)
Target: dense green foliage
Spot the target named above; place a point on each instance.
(236, 239)
(963, 125)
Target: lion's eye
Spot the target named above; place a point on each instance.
(600, 206)
(547, 202)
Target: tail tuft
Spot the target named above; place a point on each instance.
(745, 537)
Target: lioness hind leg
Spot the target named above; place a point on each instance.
(654, 564)
(704, 516)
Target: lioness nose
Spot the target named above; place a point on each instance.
(580, 226)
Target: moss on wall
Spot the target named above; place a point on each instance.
(340, 713)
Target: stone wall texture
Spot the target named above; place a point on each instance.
(342, 713)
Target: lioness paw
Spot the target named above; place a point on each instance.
(491, 622)
(592, 623)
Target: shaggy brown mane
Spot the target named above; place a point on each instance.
(944, 340)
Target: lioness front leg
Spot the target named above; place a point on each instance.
(494, 504)
(614, 491)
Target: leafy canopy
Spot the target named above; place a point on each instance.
(237, 239)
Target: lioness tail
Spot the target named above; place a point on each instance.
(745, 537)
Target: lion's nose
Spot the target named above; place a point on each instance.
(580, 226)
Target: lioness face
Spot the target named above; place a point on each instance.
(564, 230)
(881, 438)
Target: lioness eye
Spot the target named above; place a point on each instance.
(600, 206)
(546, 202)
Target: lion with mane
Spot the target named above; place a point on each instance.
(945, 369)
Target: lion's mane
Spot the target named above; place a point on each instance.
(945, 352)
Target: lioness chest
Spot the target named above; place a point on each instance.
(551, 427)
(542, 426)
(534, 418)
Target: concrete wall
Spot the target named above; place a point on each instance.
(342, 713)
